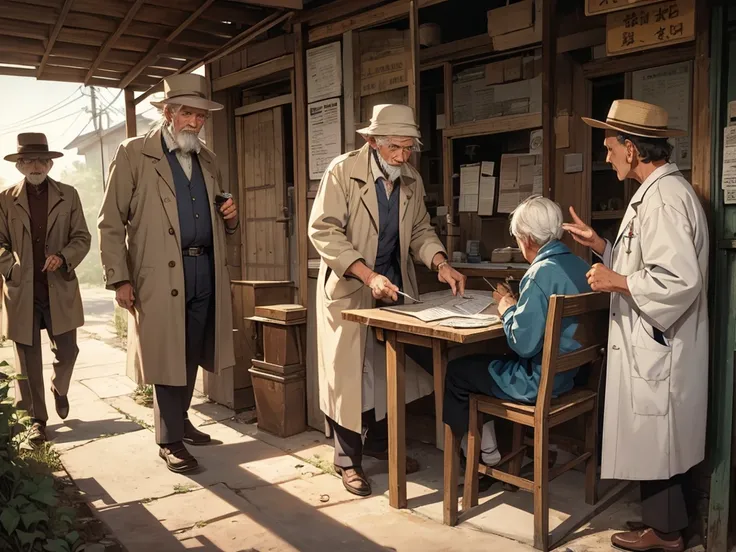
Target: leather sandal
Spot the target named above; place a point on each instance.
(178, 459)
(192, 436)
(354, 480)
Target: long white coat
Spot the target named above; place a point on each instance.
(656, 395)
(343, 228)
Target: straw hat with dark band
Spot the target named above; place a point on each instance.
(189, 90)
(392, 120)
(34, 146)
(637, 118)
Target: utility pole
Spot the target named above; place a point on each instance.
(97, 121)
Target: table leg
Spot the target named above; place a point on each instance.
(451, 468)
(439, 368)
(396, 413)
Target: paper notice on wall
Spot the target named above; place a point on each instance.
(669, 87)
(728, 179)
(487, 189)
(324, 72)
(325, 135)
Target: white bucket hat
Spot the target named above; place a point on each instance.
(189, 90)
(392, 120)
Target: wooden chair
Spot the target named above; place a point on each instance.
(591, 310)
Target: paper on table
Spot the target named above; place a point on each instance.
(442, 305)
(479, 321)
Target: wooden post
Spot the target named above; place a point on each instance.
(414, 69)
(350, 93)
(549, 109)
(447, 159)
(701, 117)
(130, 122)
(301, 170)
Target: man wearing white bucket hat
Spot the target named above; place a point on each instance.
(657, 369)
(162, 226)
(368, 218)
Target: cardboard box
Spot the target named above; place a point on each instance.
(512, 70)
(521, 37)
(514, 17)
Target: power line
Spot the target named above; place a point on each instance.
(45, 111)
(73, 122)
(35, 119)
(44, 123)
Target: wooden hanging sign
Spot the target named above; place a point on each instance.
(654, 26)
(597, 7)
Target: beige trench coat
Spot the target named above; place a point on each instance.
(656, 395)
(66, 234)
(140, 243)
(343, 228)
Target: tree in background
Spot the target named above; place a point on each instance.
(88, 182)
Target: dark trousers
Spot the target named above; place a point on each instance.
(664, 505)
(30, 394)
(465, 376)
(349, 444)
(171, 402)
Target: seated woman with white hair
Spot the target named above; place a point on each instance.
(555, 270)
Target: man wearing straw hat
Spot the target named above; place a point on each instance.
(368, 218)
(43, 238)
(162, 231)
(657, 371)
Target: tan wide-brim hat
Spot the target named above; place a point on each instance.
(637, 118)
(392, 120)
(33, 145)
(187, 89)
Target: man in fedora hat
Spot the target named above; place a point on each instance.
(43, 238)
(368, 217)
(657, 376)
(162, 227)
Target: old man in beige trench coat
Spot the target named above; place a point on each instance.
(162, 241)
(367, 223)
(657, 360)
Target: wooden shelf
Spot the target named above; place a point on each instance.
(607, 215)
(496, 125)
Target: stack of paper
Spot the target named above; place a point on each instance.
(487, 189)
(469, 187)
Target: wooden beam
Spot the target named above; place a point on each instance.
(495, 125)
(98, 38)
(301, 168)
(35, 31)
(21, 59)
(263, 105)
(130, 120)
(637, 61)
(54, 34)
(549, 94)
(372, 18)
(701, 116)
(583, 39)
(22, 12)
(257, 72)
(17, 71)
(21, 46)
(163, 44)
(333, 10)
(280, 4)
(414, 91)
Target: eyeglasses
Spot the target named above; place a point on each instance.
(26, 162)
(393, 148)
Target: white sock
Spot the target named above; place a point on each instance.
(488, 447)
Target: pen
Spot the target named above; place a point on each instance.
(408, 296)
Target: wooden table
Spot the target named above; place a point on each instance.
(397, 330)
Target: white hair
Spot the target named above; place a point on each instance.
(172, 108)
(386, 140)
(537, 218)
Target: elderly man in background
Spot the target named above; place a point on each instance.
(162, 229)
(554, 270)
(43, 238)
(368, 217)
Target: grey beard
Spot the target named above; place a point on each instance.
(187, 141)
(393, 171)
(36, 179)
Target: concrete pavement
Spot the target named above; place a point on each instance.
(256, 492)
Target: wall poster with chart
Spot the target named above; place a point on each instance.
(669, 86)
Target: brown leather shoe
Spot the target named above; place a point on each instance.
(632, 525)
(192, 436)
(646, 539)
(178, 459)
(412, 466)
(355, 481)
(62, 404)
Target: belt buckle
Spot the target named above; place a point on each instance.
(194, 251)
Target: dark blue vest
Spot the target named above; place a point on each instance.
(388, 255)
(195, 223)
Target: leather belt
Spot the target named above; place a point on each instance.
(194, 251)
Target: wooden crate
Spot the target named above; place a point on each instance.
(280, 400)
(233, 386)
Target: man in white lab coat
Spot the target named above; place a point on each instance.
(657, 371)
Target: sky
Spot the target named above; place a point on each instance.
(58, 110)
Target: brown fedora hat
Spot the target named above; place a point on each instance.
(637, 118)
(34, 145)
(187, 89)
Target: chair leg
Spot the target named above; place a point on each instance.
(541, 487)
(449, 514)
(470, 489)
(591, 465)
(515, 463)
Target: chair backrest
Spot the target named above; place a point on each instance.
(591, 313)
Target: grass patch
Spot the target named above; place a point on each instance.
(143, 395)
(321, 464)
(43, 458)
(183, 489)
